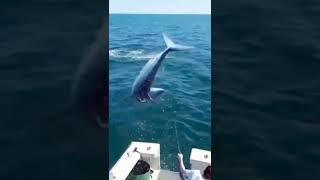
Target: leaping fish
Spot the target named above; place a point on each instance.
(141, 88)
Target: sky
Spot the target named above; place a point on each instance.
(160, 6)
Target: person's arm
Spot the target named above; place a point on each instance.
(182, 169)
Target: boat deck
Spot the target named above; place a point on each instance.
(150, 153)
(165, 175)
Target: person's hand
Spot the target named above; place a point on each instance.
(180, 156)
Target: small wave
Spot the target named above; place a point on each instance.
(133, 55)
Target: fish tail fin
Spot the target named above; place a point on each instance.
(174, 47)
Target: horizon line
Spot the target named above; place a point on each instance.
(151, 13)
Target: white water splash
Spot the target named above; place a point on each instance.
(132, 55)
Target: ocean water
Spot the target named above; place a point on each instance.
(266, 90)
(42, 43)
(186, 77)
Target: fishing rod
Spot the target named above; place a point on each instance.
(175, 126)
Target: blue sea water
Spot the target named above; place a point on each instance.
(266, 90)
(186, 77)
(42, 44)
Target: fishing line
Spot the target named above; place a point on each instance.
(175, 126)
